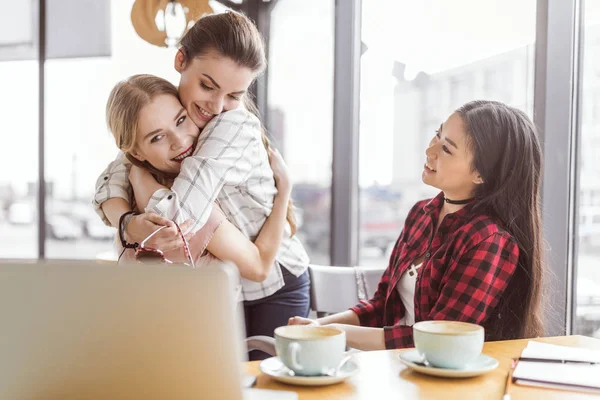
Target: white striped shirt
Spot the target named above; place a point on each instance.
(230, 165)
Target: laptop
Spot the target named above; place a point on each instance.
(83, 330)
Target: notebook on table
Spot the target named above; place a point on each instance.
(559, 367)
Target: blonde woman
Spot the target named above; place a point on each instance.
(154, 132)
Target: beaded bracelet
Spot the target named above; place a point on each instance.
(122, 230)
(127, 219)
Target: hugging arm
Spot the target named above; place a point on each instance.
(113, 198)
(144, 185)
(113, 192)
(254, 260)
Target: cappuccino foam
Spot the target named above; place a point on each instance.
(307, 332)
(448, 327)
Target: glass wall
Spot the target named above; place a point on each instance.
(78, 144)
(300, 111)
(19, 119)
(587, 303)
(19, 159)
(420, 61)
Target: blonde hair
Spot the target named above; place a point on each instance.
(123, 108)
(232, 35)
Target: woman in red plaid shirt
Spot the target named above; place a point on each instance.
(471, 254)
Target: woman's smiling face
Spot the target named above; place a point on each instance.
(166, 135)
(211, 84)
(449, 161)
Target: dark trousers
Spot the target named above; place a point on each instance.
(264, 315)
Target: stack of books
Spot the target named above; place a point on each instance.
(559, 367)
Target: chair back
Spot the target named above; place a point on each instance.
(334, 289)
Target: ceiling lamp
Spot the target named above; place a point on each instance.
(163, 22)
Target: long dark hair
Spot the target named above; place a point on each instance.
(508, 156)
(232, 35)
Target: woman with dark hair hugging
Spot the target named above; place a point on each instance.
(472, 253)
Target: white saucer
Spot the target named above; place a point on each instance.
(413, 360)
(275, 369)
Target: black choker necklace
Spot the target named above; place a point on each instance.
(457, 202)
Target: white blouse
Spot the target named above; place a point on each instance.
(406, 289)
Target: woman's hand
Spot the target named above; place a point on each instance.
(303, 321)
(142, 225)
(280, 172)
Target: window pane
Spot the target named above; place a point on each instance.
(19, 150)
(300, 116)
(78, 144)
(587, 301)
(421, 61)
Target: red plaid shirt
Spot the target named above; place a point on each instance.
(467, 266)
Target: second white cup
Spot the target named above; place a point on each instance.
(310, 350)
(448, 344)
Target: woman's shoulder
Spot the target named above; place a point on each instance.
(481, 232)
(480, 227)
(239, 124)
(239, 117)
(419, 208)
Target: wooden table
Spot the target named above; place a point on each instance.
(383, 376)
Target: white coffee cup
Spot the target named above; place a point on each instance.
(310, 350)
(448, 344)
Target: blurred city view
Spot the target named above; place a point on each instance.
(402, 103)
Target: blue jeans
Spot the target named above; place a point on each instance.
(264, 315)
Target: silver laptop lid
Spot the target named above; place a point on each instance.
(97, 331)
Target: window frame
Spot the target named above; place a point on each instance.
(556, 114)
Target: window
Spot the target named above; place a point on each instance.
(19, 159)
(422, 61)
(18, 30)
(78, 144)
(300, 111)
(19, 150)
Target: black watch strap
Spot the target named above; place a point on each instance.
(122, 231)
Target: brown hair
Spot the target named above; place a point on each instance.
(232, 35)
(508, 156)
(123, 107)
